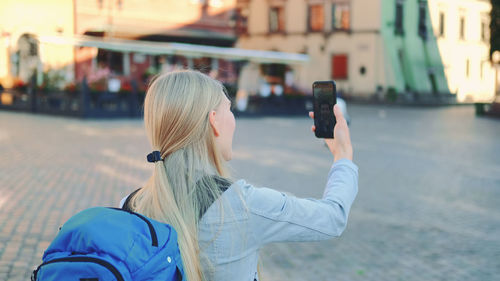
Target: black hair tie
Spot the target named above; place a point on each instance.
(154, 156)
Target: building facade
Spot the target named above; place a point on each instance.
(125, 40)
(376, 48)
(198, 22)
(21, 54)
(67, 40)
(372, 49)
(340, 46)
(462, 31)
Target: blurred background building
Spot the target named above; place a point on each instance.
(463, 36)
(62, 41)
(379, 47)
(373, 49)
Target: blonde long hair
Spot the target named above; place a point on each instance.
(182, 186)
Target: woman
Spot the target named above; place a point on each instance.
(221, 224)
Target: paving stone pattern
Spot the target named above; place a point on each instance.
(428, 206)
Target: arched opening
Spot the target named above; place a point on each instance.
(27, 57)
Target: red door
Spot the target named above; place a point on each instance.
(339, 67)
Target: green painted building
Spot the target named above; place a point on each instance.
(411, 55)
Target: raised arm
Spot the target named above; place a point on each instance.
(279, 217)
(276, 217)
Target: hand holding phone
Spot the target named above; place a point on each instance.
(341, 146)
(324, 98)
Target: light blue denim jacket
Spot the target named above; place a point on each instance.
(245, 218)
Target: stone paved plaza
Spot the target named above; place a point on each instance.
(428, 206)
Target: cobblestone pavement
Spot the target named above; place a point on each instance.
(428, 206)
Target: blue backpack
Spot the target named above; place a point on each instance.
(101, 244)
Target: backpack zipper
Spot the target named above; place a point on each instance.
(154, 237)
(101, 262)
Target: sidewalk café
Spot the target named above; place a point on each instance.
(111, 64)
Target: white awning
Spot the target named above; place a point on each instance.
(188, 50)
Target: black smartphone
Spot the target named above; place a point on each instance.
(324, 98)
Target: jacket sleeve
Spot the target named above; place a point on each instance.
(278, 217)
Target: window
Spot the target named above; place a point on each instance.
(398, 24)
(274, 72)
(111, 60)
(462, 28)
(316, 17)
(481, 74)
(483, 31)
(216, 3)
(422, 24)
(485, 22)
(276, 19)
(242, 21)
(203, 65)
(339, 67)
(441, 24)
(340, 16)
(432, 79)
(467, 68)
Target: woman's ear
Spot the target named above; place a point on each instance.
(213, 122)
